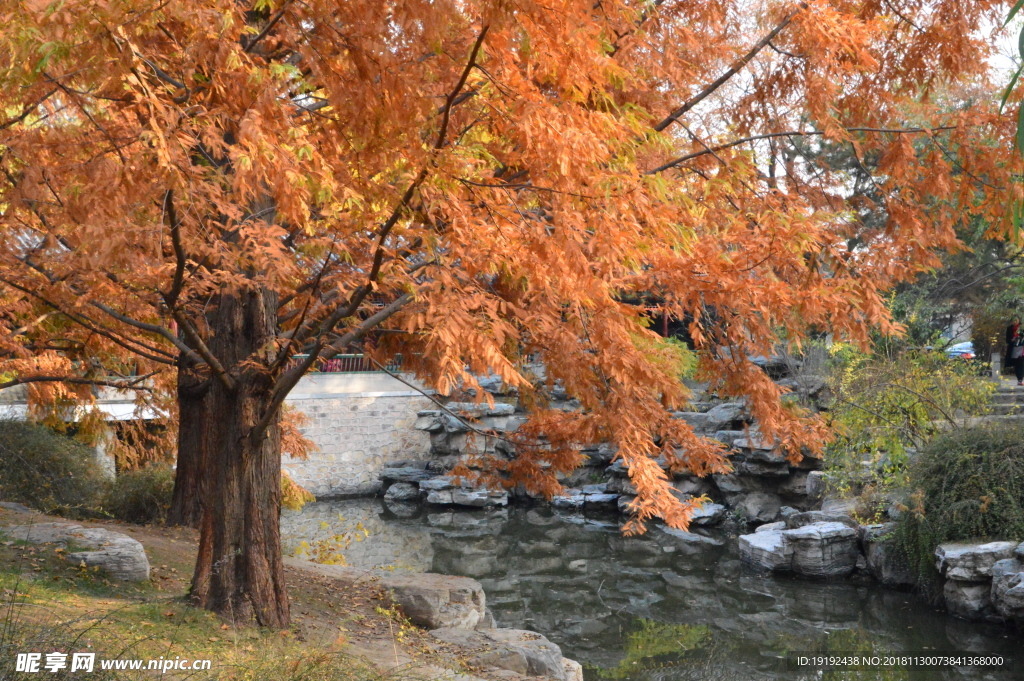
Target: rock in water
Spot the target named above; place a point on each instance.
(823, 549)
(402, 491)
(970, 600)
(971, 562)
(767, 550)
(883, 562)
(1008, 588)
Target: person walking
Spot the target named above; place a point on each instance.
(1015, 349)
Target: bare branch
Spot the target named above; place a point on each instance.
(733, 69)
(122, 385)
(791, 133)
(268, 28)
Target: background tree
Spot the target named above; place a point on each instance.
(214, 186)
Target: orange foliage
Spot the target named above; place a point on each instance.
(472, 182)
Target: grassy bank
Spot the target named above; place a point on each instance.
(340, 631)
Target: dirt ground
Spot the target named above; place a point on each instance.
(355, 621)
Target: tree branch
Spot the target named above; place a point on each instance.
(171, 297)
(290, 378)
(123, 385)
(791, 133)
(733, 69)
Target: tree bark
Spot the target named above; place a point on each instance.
(239, 572)
(186, 507)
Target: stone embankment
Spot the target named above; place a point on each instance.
(983, 581)
(454, 610)
(761, 483)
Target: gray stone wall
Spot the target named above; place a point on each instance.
(357, 432)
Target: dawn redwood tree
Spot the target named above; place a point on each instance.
(214, 187)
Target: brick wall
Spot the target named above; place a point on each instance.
(360, 423)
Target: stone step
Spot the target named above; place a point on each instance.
(1008, 397)
(1007, 409)
(994, 419)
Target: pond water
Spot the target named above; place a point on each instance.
(655, 607)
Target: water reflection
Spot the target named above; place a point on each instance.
(658, 607)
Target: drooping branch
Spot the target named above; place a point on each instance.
(132, 345)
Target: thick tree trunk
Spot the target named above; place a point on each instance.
(186, 508)
(239, 573)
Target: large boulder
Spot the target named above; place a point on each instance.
(969, 600)
(797, 520)
(759, 507)
(437, 601)
(708, 514)
(823, 549)
(971, 562)
(1008, 588)
(524, 652)
(121, 556)
(402, 491)
(883, 561)
(767, 550)
(723, 415)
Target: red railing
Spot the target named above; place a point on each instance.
(349, 364)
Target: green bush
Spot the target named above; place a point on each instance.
(141, 496)
(47, 471)
(885, 406)
(967, 484)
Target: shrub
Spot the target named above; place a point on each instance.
(47, 471)
(887, 406)
(141, 496)
(967, 484)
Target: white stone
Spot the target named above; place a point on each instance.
(823, 549)
(768, 550)
(1008, 588)
(121, 556)
(971, 562)
(524, 652)
(772, 527)
(573, 670)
